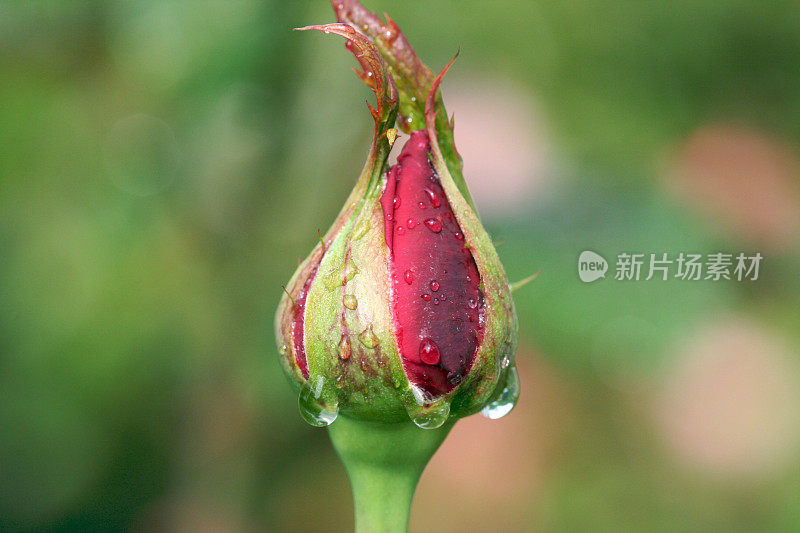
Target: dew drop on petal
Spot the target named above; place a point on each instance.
(434, 285)
(426, 297)
(411, 223)
(428, 351)
(434, 198)
(433, 225)
(409, 277)
(400, 230)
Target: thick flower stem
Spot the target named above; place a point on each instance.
(384, 463)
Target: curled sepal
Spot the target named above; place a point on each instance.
(373, 70)
(413, 79)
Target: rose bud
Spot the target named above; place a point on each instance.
(403, 309)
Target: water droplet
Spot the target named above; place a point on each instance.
(352, 270)
(436, 301)
(344, 348)
(409, 277)
(283, 349)
(389, 216)
(421, 205)
(410, 119)
(333, 279)
(413, 98)
(368, 337)
(433, 225)
(361, 229)
(434, 285)
(443, 297)
(400, 230)
(458, 235)
(428, 351)
(426, 297)
(396, 202)
(312, 410)
(411, 223)
(507, 399)
(350, 301)
(472, 303)
(434, 198)
(432, 417)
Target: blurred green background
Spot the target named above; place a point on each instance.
(164, 165)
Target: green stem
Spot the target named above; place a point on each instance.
(384, 463)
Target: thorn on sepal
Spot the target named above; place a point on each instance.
(521, 283)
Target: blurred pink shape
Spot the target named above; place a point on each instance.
(744, 180)
(731, 404)
(503, 143)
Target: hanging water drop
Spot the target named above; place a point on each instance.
(313, 411)
(507, 399)
(432, 417)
